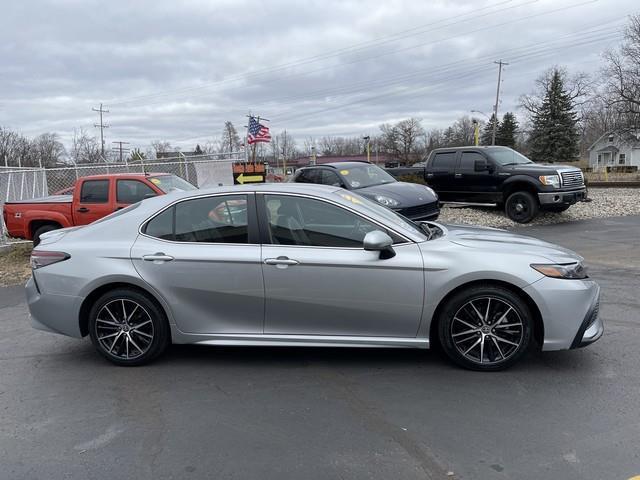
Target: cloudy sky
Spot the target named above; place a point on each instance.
(176, 70)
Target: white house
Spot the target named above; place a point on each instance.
(613, 149)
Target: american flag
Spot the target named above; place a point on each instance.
(257, 132)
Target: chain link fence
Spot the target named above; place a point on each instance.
(26, 183)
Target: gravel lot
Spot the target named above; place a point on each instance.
(607, 202)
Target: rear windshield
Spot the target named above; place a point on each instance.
(170, 183)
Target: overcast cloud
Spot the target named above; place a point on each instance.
(177, 70)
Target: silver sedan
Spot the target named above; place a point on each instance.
(306, 265)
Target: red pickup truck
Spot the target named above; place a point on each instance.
(92, 198)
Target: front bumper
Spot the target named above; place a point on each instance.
(427, 211)
(562, 198)
(569, 310)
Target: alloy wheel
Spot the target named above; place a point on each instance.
(124, 329)
(487, 330)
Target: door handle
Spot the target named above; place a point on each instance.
(157, 257)
(281, 261)
(83, 209)
(458, 175)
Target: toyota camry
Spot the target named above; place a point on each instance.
(306, 265)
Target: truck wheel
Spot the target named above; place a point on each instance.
(521, 207)
(557, 208)
(40, 231)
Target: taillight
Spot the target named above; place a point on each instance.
(41, 258)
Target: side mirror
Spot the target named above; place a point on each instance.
(378, 241)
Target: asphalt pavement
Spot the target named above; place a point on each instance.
(304, 413)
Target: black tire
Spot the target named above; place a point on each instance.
(521, 207)
(557, 208)
(128, 333)
(496, 352)
(41, 230)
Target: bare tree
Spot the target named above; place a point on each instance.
(622, 80)
(230, 141)
(161, 146)
(403, 140)
(84, 148)
(48, 149)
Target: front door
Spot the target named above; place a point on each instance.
(473, 186)
(202, 255)
(320, 281)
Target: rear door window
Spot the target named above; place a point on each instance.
(95, 191)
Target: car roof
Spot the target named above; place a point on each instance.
(471, 147)
(336, 165)
(125, 174)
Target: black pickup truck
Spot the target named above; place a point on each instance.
(503, 177)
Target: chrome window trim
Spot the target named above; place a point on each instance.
(208, 195)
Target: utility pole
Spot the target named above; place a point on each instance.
(500, 63)
(101, 126)
(121, 149)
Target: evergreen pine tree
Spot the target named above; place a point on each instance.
(198, 150)
(554, 136)
(507, 129)
(487, 132)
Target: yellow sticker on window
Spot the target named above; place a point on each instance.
(344, 172)
(155, 181)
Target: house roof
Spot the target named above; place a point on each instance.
(609, 148)
(634, 142)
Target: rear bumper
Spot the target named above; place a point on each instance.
(53, 313)
(562, 198)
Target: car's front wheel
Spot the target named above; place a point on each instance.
(485, 328)
(127, 327)
(521, 207)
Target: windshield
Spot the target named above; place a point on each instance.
(507, 156)
(365, 175)
(394, 219)
(169, 183)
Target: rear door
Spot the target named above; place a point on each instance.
(319, 280)
(441, 174)
(92, 201)
(203, 256)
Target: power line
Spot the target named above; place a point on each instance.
(121, 150)
(332, 53)
(374, 57)
(102, 126)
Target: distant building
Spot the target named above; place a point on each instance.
(614, 149)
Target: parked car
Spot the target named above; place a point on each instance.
(90, 199)
(502, 176)
(414, 201)
(306, 265)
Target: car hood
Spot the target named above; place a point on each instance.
(508, 242)
(540, 168)
(406, 194)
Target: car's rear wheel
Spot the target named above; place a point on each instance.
(485, 328)
(127, 327)
(521, 207)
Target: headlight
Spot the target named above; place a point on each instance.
(573, 271)
(386, 201)
(550, 180)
